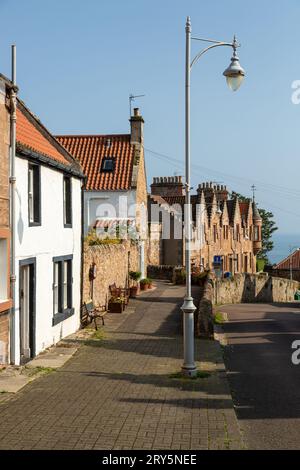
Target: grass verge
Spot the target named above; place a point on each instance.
(32, 371)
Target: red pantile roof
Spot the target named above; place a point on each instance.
(32, 136)
(90, 150)
(293, 259)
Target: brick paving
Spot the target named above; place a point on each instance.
(118, 393)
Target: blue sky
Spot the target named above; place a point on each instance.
(79, 61)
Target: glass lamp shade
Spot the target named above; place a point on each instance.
(234, 83)
(234, 74)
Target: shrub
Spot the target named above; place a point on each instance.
(135, 275)
(180, 277)
(92, 239)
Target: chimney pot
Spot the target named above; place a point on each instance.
(136, 112)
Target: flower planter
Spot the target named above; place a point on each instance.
(144, 286)
(115, 307)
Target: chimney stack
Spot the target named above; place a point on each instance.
(137, 127)
(168, 186)
(210, 189)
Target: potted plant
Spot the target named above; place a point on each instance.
(180, 277)
(144, 284)
(116, 305)
(135, 277)
(149, 282)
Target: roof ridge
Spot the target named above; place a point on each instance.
(80, 136)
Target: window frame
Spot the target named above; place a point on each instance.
(63, 313)
(67, 223)
(256, 231)
(6, 304)
(105, 159)
(36, 205)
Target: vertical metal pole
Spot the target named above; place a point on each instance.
(12, 179)
(188, 307)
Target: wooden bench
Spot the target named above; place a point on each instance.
(90, 313)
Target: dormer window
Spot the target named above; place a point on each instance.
(108, 164)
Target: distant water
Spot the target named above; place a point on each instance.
(282, 243)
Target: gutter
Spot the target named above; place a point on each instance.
(23, 152)
(12, 181)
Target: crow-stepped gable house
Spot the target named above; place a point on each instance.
(223, 227)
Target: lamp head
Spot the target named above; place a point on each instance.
(234, 73)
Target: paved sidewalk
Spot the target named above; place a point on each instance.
(117, 391)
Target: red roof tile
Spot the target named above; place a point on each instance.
(29, 136)
(90, 150)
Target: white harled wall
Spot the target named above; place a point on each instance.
(43, 243)
(108, 205)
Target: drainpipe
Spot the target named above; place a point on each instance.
(12, 180)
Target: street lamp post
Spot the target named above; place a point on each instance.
(291, 261)
(234, 76)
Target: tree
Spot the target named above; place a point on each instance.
(268, 228)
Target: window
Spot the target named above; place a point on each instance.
(108, 164)
(62, 288)
(3, 269)
(67, 201)
(34, 195)
(225, 232)
(215, 233)
(256, 233)
(5, 301)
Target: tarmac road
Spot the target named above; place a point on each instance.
(264, 382)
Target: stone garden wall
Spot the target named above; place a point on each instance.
(161, 272)
(113, 263)
(243, 288)
(247, 288)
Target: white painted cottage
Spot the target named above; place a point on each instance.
(48, 240)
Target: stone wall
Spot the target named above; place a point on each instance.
(4, 218)
(247, 288)
(113, 263)
(154, 247)
(161, 272)
(4, 340)
(204, 325)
